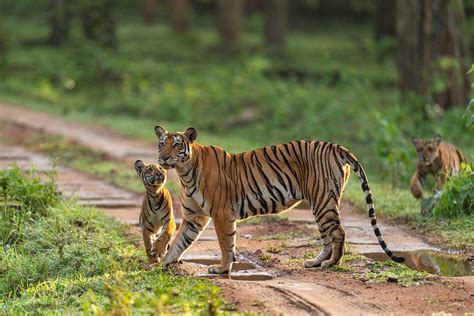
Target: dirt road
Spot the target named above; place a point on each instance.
(270, 254)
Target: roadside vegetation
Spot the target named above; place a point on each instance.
(334, 83)
(59, 257)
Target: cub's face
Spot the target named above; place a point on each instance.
(152, 175)
(427, 149)
(174, 149)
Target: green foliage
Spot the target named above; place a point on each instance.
(469, 115)
(73, 259)
(23, 199)
(394, 151)
(457, 198)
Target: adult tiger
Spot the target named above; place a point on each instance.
(229, 187)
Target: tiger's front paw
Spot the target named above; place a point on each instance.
(312, 263)
(153, 260)
(327, 264)
(218, 269)
(416, 190)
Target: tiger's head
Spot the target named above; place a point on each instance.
(174, 148)
(152, 175)
(427, 149)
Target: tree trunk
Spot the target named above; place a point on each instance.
(180, 15)
(149, 10)
(59, 21)
(432, 56)
(2, 48)
(384, 18)
(276, 23)
(229, 23)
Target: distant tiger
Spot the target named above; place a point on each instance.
(437, 158)
(156, 218)
(230, 187)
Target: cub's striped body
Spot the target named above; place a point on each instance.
(435, 157)
(156, 218)
(229, 187)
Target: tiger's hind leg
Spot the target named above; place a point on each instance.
(323, 255)
(333, 237)
(338, 238)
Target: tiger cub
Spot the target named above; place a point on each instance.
(437, 158)
(156, 218)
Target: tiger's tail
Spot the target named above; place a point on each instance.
(356, 166)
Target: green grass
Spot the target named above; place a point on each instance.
(389, 271)
(281, 236)
(344, 264)
(72, 259)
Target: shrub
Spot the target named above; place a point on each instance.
(457, 198)
(23, 198)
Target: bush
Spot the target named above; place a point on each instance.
(457, 198)
(23, 198)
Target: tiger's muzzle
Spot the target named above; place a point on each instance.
(168, 163)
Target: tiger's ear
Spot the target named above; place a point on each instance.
(139, 165)
(159, 131)
(415, 140)
(437, 139)
(191, 134)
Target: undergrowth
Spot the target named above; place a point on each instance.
(457, 198)
(389, 271)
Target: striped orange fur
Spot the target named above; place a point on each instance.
(156, 218)
(230, 187)
(436, 158)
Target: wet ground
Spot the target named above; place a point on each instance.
(435, 262)
(263, 281)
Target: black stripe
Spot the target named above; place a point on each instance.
(365, 186)
(371, 212)
(368, 199)
(188, 209)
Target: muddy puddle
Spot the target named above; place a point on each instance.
(432, 261)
